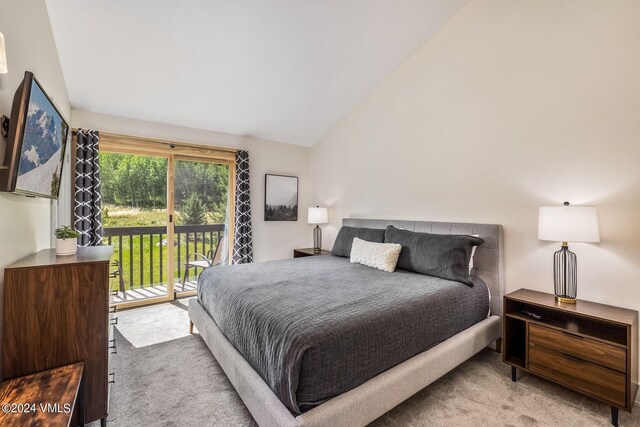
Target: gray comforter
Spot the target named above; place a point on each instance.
(317, 327)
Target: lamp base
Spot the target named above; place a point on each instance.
(317, 239)
(565, 275)
(566, 300)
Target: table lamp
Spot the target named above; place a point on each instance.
(567, 224)
(317, 216)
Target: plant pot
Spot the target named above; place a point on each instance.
(66, 246)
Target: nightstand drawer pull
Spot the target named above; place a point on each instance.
(581, 348)
(587, 377)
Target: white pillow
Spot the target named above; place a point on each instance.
(382, 256)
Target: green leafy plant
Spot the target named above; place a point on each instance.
(66, 232)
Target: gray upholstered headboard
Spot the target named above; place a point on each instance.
(488, 262)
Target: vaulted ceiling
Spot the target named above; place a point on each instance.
(285, 70)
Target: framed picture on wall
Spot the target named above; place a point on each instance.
(280, 198)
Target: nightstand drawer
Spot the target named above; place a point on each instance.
(583, 348)
(587, 377)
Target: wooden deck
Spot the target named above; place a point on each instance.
(155, 291)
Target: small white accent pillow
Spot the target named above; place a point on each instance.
(383, 256)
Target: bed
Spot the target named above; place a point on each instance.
(343, 348)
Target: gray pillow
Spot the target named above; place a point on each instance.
(342, 245)
(440, 255)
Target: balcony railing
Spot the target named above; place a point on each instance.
(142, 251)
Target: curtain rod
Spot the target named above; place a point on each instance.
(163, 141)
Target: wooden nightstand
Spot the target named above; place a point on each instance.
(588, 347)
(299, 253)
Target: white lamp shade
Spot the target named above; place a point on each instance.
(3, 56)
(318, 216)
(568, 224)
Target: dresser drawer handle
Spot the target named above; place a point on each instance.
(568, 356)
(112, 309)
(112, 378)
(114, 293)
(114, 321)
(570, 335)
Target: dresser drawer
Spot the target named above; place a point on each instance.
(583, 348)
(587, 377)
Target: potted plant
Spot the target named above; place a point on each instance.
(66, 240)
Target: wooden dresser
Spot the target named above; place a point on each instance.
(588, 347)
(57, 312)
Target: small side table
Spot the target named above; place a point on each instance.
(299, 253)
(47, 398)
(587, 347)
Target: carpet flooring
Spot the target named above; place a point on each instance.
(163, 379)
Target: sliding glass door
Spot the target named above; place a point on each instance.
(201, 193)
(135, 216)
(167, 215)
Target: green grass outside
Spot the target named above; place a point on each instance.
(118, 216)
(131, 259)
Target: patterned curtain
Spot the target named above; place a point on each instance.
(242, 241)
(88, 203)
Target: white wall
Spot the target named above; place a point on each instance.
(25, 223)
(510, 106)
(271, 240)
